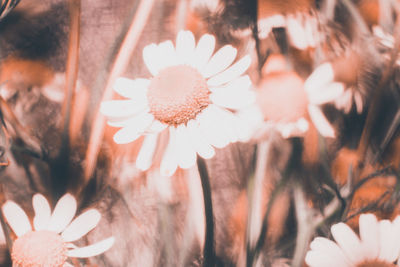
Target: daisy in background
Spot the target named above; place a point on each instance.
(193, 95)
(49, 242)
(378, 245)
(288, 103)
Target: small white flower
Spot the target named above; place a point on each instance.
(350, 95)
(194, 95)
(288, 103)
(49, 243)
(378, 245)
(302, 29)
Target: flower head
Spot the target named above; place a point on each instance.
(193, 94)
(49, 242)
(377, 245)
(288, 103)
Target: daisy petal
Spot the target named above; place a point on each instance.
(42, 212)
(234, 100)
(220, 61)
(323, 74)
(359, 101)
(156, 127)
(326, 94)
(63, 213)
(128, 121)
(81, 225)
(369, 235)
(321, 123)
(348, 241)
(296, 33)
(121, 108)
(199, 143)
(328, 247)
(231, 73)
(169, 56)
(146, 153)
(388, 242)
(135, 89)
(16, 218)
(185, 45)
(137, 125)
(207, 121)
(92, 250)
(151, 58)
(241, 83)
(318, 259)
(186, 153)
(203, 51)
(169, 162)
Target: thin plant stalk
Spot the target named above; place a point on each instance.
(120, 63)
(208, 251)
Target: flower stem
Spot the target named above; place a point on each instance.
(208, 251)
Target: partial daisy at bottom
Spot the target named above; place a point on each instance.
(377, 245)
(49, 243)
(194, 96)
(288, 103)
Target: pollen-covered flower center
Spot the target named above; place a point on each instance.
(282, 97)
(39, 248)
(177, 94)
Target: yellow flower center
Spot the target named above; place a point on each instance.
(38, 249)
(282, 98)
(375, 263)
(177, 94)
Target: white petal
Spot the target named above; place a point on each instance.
(323, 74)
(388, 242)
(128, 121)
(348, 241)
(152, 59)
(135, 89)
(16, 218)
(228, 122)
(92, 250)
(318, 259)
(369, 234)
(321, 123)
(231, 73)
(220, 61)
(207, 121)
(115, 109)
(185, 150)
(203, 51)
(156, 127)
(168, 54)
(236, 99)
(326, 94)
(296, 33)
(358, 99)
(81, 225)
(310, 32)
(328, 247)
(42, 212)
(241, 83)
(169, 161)
(185, 45)
(146, 153)
(202, 147)
(63, 213)
(137, 125)
(266, 25)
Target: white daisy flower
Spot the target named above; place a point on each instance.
(288, 103)
(378, 245)
(302, 29)
(49, 242)
(192, 94)
(350, 95)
